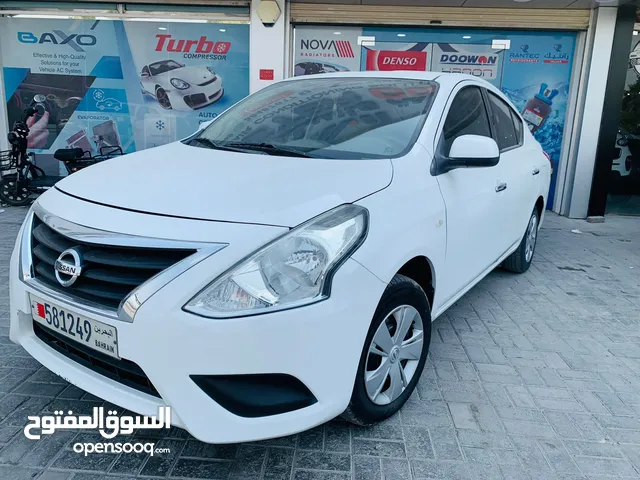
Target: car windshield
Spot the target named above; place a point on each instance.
(164, 66)
(335, 118)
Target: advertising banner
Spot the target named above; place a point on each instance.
(112, 83)
(534, 71)
(389, 56)
(323, 50)
(477, 60)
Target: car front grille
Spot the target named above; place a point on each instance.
(109, 273)
(122, 371)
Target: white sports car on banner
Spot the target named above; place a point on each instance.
(177, 86)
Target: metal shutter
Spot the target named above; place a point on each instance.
(529, 18)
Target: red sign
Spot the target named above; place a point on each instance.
(166, 43)
(266, 74)
(389, 60)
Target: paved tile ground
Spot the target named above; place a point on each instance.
(529, 377)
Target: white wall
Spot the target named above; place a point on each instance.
(267, 50)
(592, 116)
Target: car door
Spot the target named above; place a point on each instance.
(520, 165)
(473, 196)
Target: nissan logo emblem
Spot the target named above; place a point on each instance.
(68, 267)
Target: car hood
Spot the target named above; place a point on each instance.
(191, 182)
(193, 75)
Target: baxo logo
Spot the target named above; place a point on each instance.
(68, 267)
(327, 48)
(58, 37)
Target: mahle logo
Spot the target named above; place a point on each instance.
(58, 37)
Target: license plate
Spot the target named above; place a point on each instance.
(92, 333)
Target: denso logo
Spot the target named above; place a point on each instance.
(58, 37)
(389, 60)
(455, 59)
(339, 48)
(203, 45)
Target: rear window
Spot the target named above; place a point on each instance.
(338, 117)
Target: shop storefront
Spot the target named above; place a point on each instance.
(144, 73)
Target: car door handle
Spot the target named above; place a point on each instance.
(536, 171)
(501, 188)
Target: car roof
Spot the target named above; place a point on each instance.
(447, 81)
(444, 79)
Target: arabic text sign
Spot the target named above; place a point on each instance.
(108, 427)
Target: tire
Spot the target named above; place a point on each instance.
(402, 294)
(8, 192)
(163, 98)
(520, 260)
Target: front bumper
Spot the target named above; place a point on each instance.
(320, 345)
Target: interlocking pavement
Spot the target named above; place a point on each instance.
(529, 377)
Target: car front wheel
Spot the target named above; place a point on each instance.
(520, 260)
(394, 353)
(163, 98)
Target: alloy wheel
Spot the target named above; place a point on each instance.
(394, 354)
(532, 236)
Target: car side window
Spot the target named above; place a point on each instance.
(517, 121)
(505, 128)
(467, 116)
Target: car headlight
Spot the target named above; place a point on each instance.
(211, 70)
(294, 270)
(179, 84)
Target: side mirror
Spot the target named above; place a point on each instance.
(469, 151)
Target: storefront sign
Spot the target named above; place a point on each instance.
(389, 60)
(266, 74)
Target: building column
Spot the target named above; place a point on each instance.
(267, 48)
(593, 107)
(612, 109)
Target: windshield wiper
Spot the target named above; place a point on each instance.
(211, 144)
(269, 149)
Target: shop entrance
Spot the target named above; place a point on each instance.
(624, 181)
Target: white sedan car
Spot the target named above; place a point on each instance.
(331, 220)
(176, 86)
